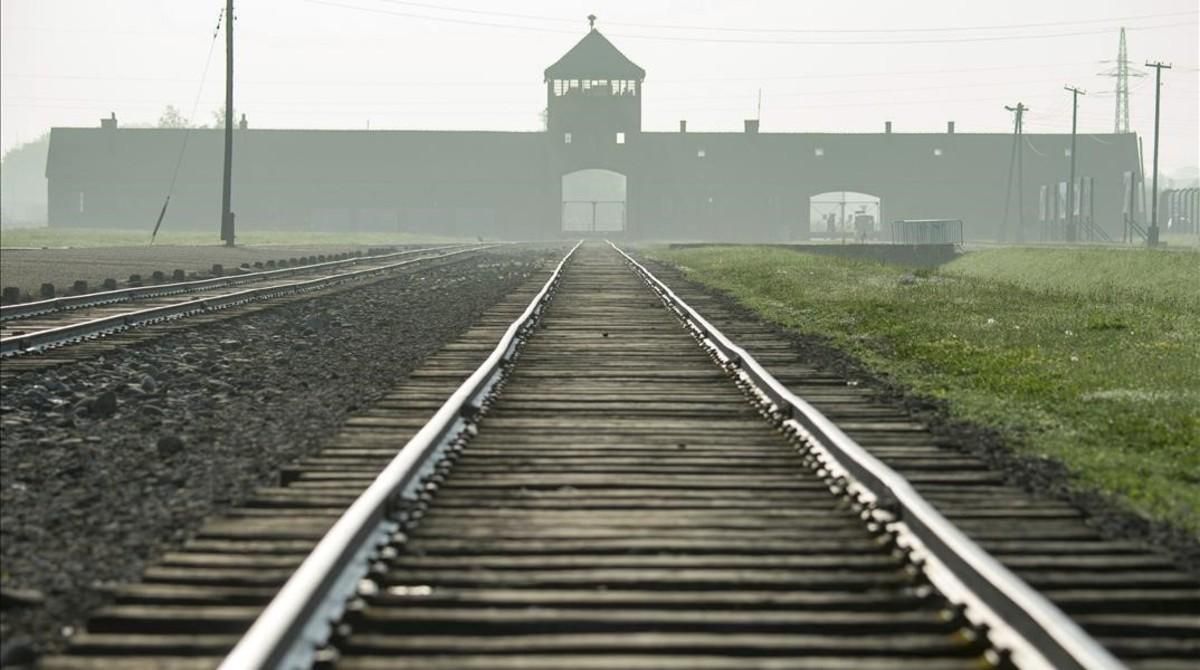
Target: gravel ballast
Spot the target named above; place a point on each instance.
(110, 461)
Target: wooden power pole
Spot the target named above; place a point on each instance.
(227, 229)
(1072, 231)
(1018, 152)
(1152, 233)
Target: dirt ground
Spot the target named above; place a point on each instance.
(30, 268)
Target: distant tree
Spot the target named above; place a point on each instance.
(172, 118)
(23, 184)
(218, 116)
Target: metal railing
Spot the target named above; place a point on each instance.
(927, 231)
(300, 618)
(1038, 634)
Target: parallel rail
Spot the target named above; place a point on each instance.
(301, 617)
(66, 303)
(1018, 617)
(603, 493)
(45, 338)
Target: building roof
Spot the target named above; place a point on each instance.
(594, 57)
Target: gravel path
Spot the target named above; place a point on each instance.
(109, 462)
(28, 269)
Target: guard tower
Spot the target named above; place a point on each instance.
(593, 91)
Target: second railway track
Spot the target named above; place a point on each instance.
(620, 504)
(40, 328)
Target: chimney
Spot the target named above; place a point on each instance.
(887, 127)
(242, 125)
(949, 127)
(109, 123)
(752, 126)
(683, 125)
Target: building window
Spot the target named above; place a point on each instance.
(818, 152)
(566, 138)
(1067, 152)
(81, 202)
(620, 138)
(700, 153)
(937, 152)
(614, 86)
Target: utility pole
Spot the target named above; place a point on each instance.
(1018, 152)
(1072, 232)
(227, 230)
(1152, 233)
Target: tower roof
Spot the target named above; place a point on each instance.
(594, 57)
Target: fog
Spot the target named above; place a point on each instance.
(800, 70)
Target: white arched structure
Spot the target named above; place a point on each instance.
(846, 215)
(593, 200)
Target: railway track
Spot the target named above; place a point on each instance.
(211, 285)
(42, 329)
(601, 492)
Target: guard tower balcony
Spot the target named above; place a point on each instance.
(594, 89)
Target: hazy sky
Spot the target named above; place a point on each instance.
(472, 64)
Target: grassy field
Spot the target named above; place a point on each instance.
(90, 237)
(1089, 356)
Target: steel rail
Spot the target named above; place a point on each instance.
(299, 619)
(67, 303)
(42, 339)
(1037, 632)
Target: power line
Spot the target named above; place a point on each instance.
(712, 40)
(416, 82)
(991, 38)
(1011, 26)
(187, 134)
(880, 73)
(667, 26)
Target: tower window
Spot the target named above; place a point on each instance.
(566, 138)
(620, 138)
(818, 152)
(937, 152)
(701, 153)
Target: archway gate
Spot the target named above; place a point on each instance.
(593, 201)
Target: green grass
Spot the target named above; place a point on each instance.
(1089, 356)
(90, 237)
